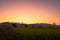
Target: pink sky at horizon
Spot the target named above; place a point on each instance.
(30, 12)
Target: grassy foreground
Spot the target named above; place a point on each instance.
(30, 34)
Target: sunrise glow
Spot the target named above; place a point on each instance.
(30, 12)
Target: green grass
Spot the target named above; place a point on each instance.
(30, 34)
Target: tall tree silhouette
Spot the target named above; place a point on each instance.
(25, 25)
(14, 25)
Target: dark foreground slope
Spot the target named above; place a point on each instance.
(30, 34)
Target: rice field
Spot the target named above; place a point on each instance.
(29, 34)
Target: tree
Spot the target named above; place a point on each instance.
(25, 25)
(14, 25)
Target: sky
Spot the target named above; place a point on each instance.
(30, 11)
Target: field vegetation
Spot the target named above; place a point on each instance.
(29, 34)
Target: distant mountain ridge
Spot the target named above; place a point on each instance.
(21, 25)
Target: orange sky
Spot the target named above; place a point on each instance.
(30, 11)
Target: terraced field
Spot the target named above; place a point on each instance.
(29, 34)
